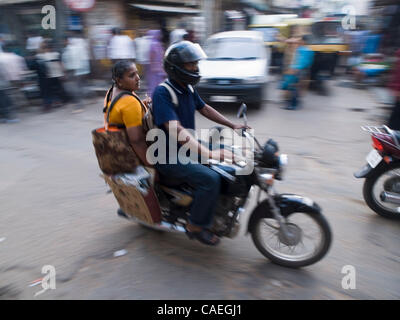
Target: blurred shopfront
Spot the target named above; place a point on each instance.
(20, 19)
(387, 15)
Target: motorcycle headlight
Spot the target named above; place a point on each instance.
(283, 162)
(266, 179)
(255, 80)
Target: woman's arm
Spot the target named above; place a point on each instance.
(137, 139)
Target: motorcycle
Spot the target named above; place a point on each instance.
(279, 225)
(381, 188)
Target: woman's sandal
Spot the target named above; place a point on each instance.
(204, 236)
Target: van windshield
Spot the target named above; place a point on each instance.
(234, 49)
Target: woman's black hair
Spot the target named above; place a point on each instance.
(120, 68)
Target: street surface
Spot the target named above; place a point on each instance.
(55, 210)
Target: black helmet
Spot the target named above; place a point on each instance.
(178, 54)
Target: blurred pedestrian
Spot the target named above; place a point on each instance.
(291, 45)
(121, 47)
(156, 73)
(356, 40)
(76, 62)
(6, 105)
(394, 120)
(372, 42)
(1, 42)
(142, 44)
(190, 36)
(50, 72)
(15, 65)
(177, 35)
(298, 71)
(16, 69)
(165, 34)
(33, 42)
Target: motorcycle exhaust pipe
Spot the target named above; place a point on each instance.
(162, 226)
(390, 197)
(170, 227)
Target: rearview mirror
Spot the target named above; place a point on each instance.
(242, 111)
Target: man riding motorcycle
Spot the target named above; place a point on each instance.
(181, 65)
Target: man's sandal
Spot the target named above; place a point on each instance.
(204, 236)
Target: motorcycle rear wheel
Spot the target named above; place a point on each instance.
(287, 259)
(370, 196)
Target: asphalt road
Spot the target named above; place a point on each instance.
(55, 211)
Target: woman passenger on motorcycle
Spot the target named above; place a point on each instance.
(127, 110)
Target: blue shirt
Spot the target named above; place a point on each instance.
(164, 109)
(303, 58)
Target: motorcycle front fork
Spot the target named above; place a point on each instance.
(275, 210)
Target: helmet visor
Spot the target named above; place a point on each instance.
(192, 52)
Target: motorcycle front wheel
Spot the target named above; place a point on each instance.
(306, 241)
(386, 179)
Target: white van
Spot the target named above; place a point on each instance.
(236, 68)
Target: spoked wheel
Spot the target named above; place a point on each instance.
(382, 191)
(307, 239)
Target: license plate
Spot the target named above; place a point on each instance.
(223, 98)
(374, 158)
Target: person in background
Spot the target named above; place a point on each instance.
(1, 43)
(165, 34)
(291, 45)
(298, 71)
(178, 35)
(394, 120)
(156, 73)
(34, 42)
(356, 40)
(76, 62)
(14, 65)
(190, 36)
(6, 105)
(50, 73)
(16, 69)
(121, 47)
(142, 44)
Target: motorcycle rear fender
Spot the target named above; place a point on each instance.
(288, 203)
(364, 172)
(367, 170)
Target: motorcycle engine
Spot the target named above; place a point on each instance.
(223, 217)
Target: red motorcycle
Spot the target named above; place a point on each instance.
(382, 172)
